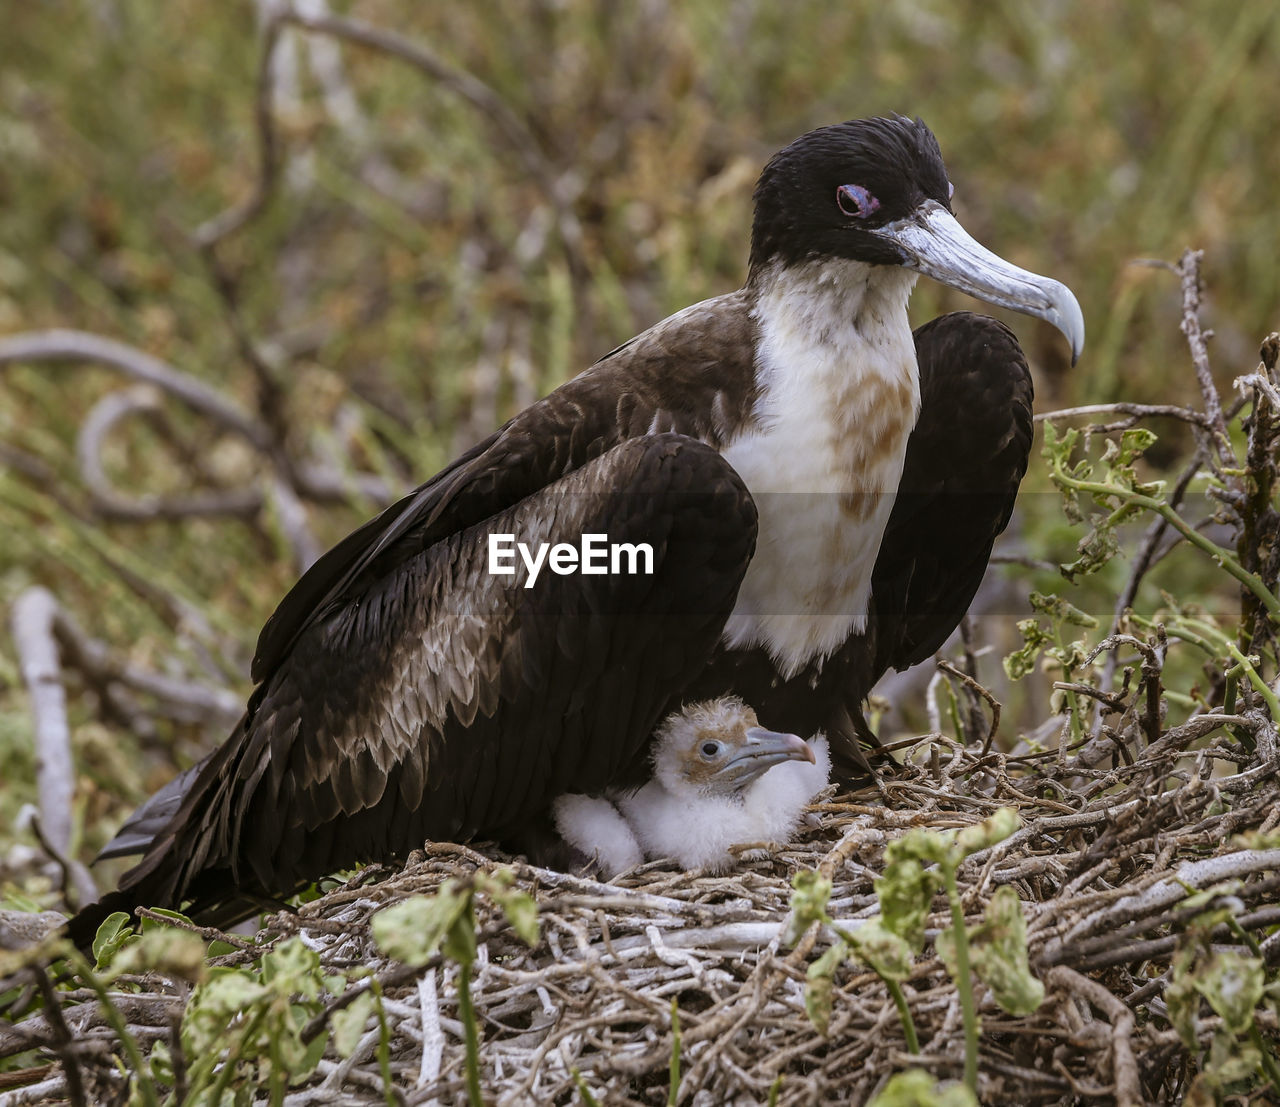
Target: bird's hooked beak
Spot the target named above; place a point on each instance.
(761, 751)
(936, 245)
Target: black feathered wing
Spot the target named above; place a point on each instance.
(965, 460)
(405, 693)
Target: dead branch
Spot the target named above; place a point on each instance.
(1188, 270)
(970, 683)
(185, 701)
(227, 222)
(512, 133)
(60, 345)
(32, 622)
(1135, 411)
(1124, 1069)
(32, 627)
(110, 503)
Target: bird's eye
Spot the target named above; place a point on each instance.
(710, 749)
(856, 201)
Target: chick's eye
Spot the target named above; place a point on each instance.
(856, 201)
(710, 749)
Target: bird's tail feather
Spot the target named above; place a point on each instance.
(214, 902)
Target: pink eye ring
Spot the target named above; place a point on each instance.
(856, 201)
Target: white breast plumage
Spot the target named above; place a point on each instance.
(840, 393)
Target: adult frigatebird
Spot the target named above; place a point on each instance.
(820, 489)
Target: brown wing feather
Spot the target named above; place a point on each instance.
(700, 360)
(403, 696)
(334, 742)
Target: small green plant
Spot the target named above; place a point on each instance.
(1112, 483)
(250, 1027)
(673, 1089)
(243, 1027)
(1104, 491)
(256, 1016)
(917, 866)
(917, 1088)
(1067, 654)
(416, 929)
(1233, 984)
(118, 951)
(1059, 630)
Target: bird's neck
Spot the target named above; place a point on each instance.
(836, 355)
(838, 394)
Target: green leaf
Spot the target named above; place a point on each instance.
(14, 899)
(520, 908)
(905, 891)
(348, 1024)
(160, 1062)
(996, 827)
(1232, 983)
(945, 946)
(414, 929)
(1256, 839)
(284, 1033)
(1060, 611)
(166, 950)
(998, 953)
(888, 954)
(917, 1088)
(1068, 657)
(460, 942)
(810, 892)
(1095, 550)
(1181, 999)
(1218, 910)
(147, 923)
(221, 997)
(1134, 442)
(114, 932)
(819, 985)
(1023, 661)
(1059, 449)
(1232, 1060)
(920, 844)
(293, 969)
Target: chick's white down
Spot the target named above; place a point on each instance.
(719, 780)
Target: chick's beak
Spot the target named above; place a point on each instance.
(761, 750)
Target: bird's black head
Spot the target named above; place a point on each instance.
(876, 191)
(823, 195)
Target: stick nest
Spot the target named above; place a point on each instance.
(1111, 845)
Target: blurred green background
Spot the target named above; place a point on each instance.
(409, 287)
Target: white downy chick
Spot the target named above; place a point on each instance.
(719, 780)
